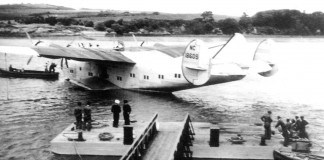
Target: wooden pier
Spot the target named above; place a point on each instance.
(155, 140)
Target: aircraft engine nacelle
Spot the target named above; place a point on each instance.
(263, 59)
(196, 64)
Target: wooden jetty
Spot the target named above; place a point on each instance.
(155, 140)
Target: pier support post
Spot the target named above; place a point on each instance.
(214, 136)
(128, 135)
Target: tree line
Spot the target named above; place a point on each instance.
(279, 22)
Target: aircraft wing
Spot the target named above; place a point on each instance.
(81, 54)
(173, 51)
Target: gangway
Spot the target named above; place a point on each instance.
(171, 141)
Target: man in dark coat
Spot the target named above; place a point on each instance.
(284, 130)
(126, 112)
(87, 116)
(289, 128)
(266, 118)
(302, 128)
(115, 109)
(297, 124)
(78, 115)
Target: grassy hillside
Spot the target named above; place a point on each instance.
(32, 6)
(12, 11)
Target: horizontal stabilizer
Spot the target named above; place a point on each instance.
(196, 68)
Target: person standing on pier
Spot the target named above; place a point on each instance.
(126, 112)
(266, 118)
(302, 128)
(78, 115)
(284, 131)
(297, 124)
(289, 127)
(115, 109)
(87, 116)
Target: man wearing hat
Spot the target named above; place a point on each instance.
(126, 112)
(78, 116)
(284, 130)
(266, 118)
(115, 109)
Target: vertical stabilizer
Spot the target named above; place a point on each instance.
(235, 51)
(196, 63)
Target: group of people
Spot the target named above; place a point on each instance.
(83, 116)
(116, 109)
(294, 128)
(51, 67)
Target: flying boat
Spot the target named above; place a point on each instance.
(161, 68)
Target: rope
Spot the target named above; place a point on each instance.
(74, 145)
(76, 151)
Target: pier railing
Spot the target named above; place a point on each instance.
(141, 144)
(185, 137)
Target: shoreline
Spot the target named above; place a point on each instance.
(63, 35)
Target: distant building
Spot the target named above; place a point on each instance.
(254, 31)
(218, 31)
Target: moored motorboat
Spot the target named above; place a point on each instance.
(28, 74)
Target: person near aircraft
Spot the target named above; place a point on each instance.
(289, 127)
(266, 118)
(78, 115)
(297, 123)
(46, 67)
(52, 68)
(87, 116)
(115, 109)
(284, 130)
(126, 112)
(11, 69)
(302, 128)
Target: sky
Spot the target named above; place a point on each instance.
(220, 7)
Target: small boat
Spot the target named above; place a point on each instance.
(284, 155)
(28, 74)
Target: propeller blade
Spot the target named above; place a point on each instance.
(29, 60)
(142, 43)
(132, 33)
(38, 42)
(86, 37)
(28, 36)
(66, 63)
(61, 63)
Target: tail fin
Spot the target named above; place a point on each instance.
(196, 63)
(264, 58)
(235, 50)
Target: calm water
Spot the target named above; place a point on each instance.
(37, 110)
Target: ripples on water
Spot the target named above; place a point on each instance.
(37, 110)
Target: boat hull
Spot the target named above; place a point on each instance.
(29, 74)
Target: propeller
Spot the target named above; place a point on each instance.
(132, 33)
(29, 60)
(142, 43)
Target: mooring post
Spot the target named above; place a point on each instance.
(214, 136)
(128, 134)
